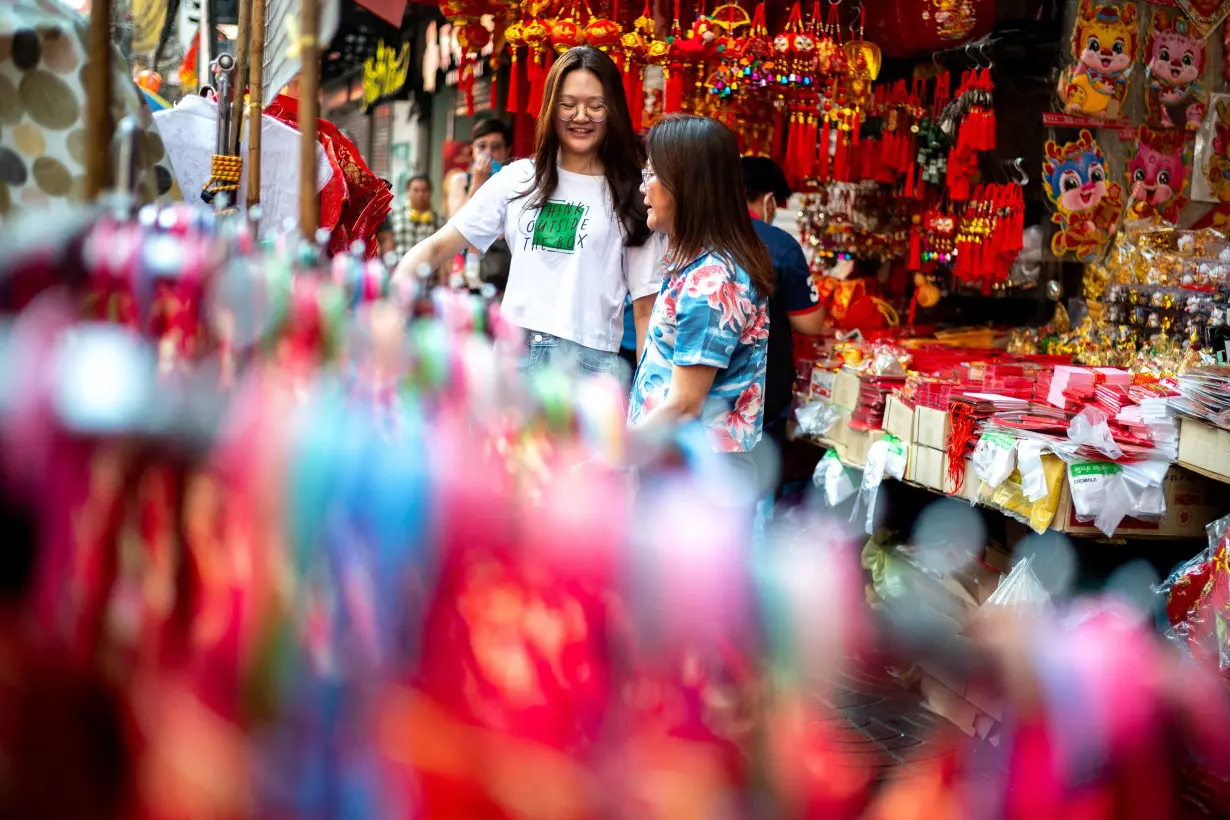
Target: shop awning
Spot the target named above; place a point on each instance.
(391, 11)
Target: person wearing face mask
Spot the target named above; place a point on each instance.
(574, 221)
(795, 305)
(490, 142)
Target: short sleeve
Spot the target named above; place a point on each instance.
(712, 308)
(798, 290)
(643, 267)
(481, 220)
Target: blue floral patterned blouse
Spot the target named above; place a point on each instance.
(709, 313)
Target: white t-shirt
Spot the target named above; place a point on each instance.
(570, 271)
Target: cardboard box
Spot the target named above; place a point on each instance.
(926, 467)
(845, 389)
(1204, 447)
(932, 428)
(1192, 501)
(857, 443)
(899, 419)
(929, 467)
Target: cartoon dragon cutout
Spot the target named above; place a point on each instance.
(1104, 44)
(1158, 175)
(1174, 57)
(1087, 204)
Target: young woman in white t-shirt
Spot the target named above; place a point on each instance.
(574, 220)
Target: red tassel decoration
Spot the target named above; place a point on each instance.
(826, 137)
(535, 76)
(637, 100)
(812, 142)
(515, 73)
(673, 101)
(841, 158)
(915, 251)
(794, 147)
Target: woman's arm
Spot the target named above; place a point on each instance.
(642, 309)
(432, 252)
(686, 397)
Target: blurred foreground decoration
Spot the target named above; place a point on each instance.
(281, 530)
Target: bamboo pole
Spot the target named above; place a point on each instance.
(309, 111)
(243, 43)
(256, 103)
(98, 102)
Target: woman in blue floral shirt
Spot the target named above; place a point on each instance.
(705, 354)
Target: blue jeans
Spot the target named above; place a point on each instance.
(549, 352)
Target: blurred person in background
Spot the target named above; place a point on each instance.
(795, 305)
(491, 140)
(574, 221)
(706, 354)
(457, 159)
(414, 220)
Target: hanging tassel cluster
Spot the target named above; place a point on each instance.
(991, 235)
(971, 116)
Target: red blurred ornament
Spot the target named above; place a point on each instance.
(903, 28)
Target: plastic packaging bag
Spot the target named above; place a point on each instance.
(995, 457)
(835, 481)
(1021, 590)
(885, 457)
(1029, 462)
(1089, 427)
(1106, 493)
(817, 418)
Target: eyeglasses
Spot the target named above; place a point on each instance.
(568, 111)
(648, 175)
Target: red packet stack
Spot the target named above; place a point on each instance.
(1072, 387)
(873, 394)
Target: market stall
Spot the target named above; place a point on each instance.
(318, 539)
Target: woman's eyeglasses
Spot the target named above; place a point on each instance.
(647, 176)
(568, 111)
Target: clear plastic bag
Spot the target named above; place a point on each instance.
(835, 481)
(886, 457)
(1021, 591)
(1089, 427)
(817, 418)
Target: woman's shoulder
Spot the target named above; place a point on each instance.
(713, 264)
(522, 168)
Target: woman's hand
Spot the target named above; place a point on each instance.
(432, 252)
(685, 398)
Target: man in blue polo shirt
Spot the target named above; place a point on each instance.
(795, 305)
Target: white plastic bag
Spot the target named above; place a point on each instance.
(835, 481)
(1029, 462)
(1088, 482)
(817, 418)
(885, 457)
(1089, 427)
(995, 457)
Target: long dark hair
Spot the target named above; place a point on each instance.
(622, 158)
(696, 159)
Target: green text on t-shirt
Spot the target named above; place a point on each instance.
(559, 226)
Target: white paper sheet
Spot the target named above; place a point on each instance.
(189, 132)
